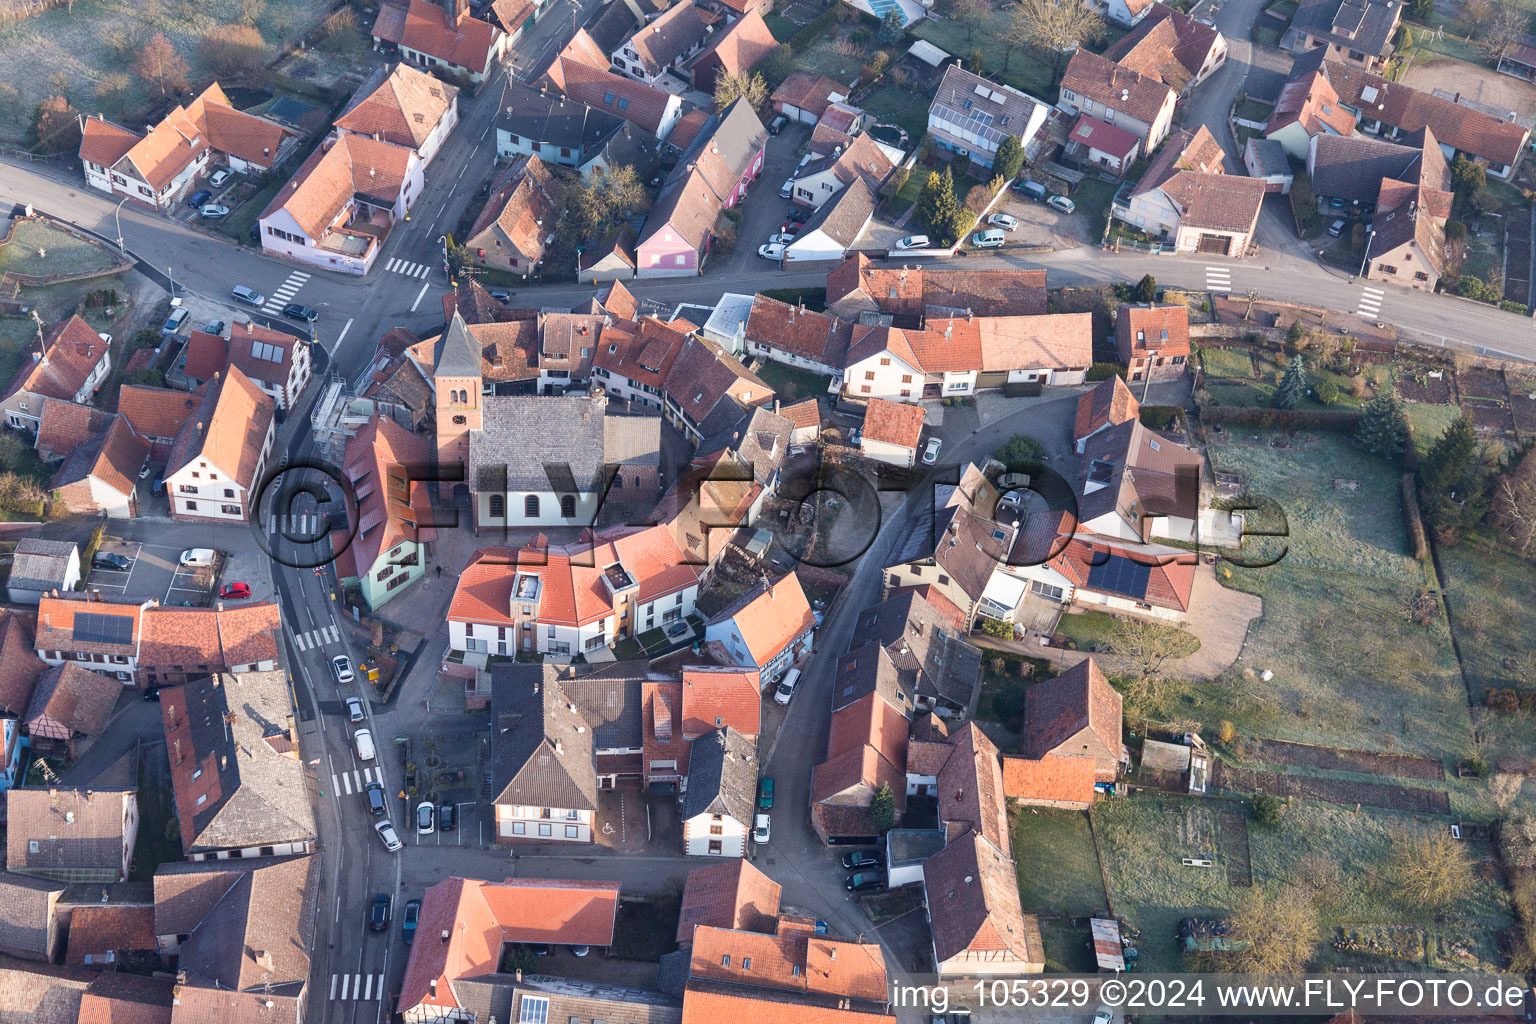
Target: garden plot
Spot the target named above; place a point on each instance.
(1435, 385)
(1307, 755)
(1333, 854)
(1058, 865)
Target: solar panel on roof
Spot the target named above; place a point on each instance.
(1120, 575)
(96, 628)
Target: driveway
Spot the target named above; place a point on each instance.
(763, 211)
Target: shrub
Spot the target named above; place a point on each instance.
(997, 628)
(1160, 417)
(1021, 454)
(1104, 371)
(1281, 419)
(1515, 307)
(1326, 391)
(1470, 287)
(1228, 732)
(343, 19)
(1411, 517)
(146, 337)
(1266, 810)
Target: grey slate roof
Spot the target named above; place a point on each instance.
(611, 706)
(548, 117)
(40, 564)
(1369, 24)
(541, 747)
(913, 845)
(25, 913)
(73, 828)
(611, 25)
(842, 217)
(457, 353)
(932, 659)
(526, 433)
(262, 796)
(869, 669)
(722, 776)
(500, 997)
(1351, 167)
(1270, 156)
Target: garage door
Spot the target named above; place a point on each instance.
(1219, 244)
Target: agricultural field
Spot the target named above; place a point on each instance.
(73, 47)
(1332, 853)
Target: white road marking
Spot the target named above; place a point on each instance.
(368, 991)
(419, 296)
(333, 977)
(1218, 279)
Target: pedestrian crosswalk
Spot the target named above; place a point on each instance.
(1370, 303)
(351, 782)
(1218, 279)
(362, 987)
(317, 638)
(297, 524)
(416, 270)
(285, 292)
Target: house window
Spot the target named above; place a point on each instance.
(869, 374)
(1385, 269)
(551, 633)
(498, 506)
(191, 506)
(31, 845)
(680, 260)
(717, 830)
(568, 506)
(906, 378)
(230, 510)
(715, 847)
(943, 580)
(1046, 590)
(531, 507)
(518, 828)
(883, 362)
(546, 830)
(572, 831)
(229, 492)
(864, 389)
(1419, 275)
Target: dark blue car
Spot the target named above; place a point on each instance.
(198, 198)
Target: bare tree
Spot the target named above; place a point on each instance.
(749, 85)
(112, 91)
(968, 13)
(1428, 868)
(161, 66)
(1514, 505)
(1282, 928)
(234, 53)
(1502, 31)
(1056, 25)
(1145, 646)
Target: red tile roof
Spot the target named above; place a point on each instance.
(98, 930)
(1055, 340)
(897, 423)
(734, 50)
(404, 109)
(155, 413)
(65, 426)
(388, 504)
(1053, 778)
(243, 352)
(1168, 45)
(20, 667)
(799, 331)
(808, 92)
(976, 885)
(70, 351)
(1311, 100)
(521, 210)
(770, 618)
(207, 354)
(1102, 80)
(645, 105)
(1103, 136)
(711, 1007)
(335, 173)
(120, 998)
(970, 787)
(1143, 329)
(228, 430)
(104, 143)
(479, 916)
(732, 895)
(750, 959)
(1057, 709)
(1108, 404)
(714, 697)
(661, 716)
(424, 26)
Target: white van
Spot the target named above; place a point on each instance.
(364, 741)
(786, 688)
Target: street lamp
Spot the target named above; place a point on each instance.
(1367, 255)
(117, 216)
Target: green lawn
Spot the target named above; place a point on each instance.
(39, 248)
(781, 27)
(16, 334)
(1026, 68)
(1494, 616)
(1092, 200)
(1086, 629)
(1251, 109)
(1226, 362)
(1429, 422)
(1058, 866)
(1005, 678)
(900, 105)
(791, 384)
(1330, 853)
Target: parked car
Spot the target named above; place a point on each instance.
(364, 741)
(375, 793)
(213, 211)
(144, 471)
(216, 327)
(931, 453)
(856, 436)
(1031, 189)
(912, 242)
(579, 950)
(408, 920)
(501, 295)
(678, 630)
(991, 238)
(1061, 204)
(787, 189)
(778, 124)
(446, 814)
(1337, 227)
(537, 948)
(862, 859)
(387, 835)
(799, 215)
(378, 913)
(220, 177)
(152, 694)
(426, 818)
(235, 591)
(198, 198)
(786, 688)
(196, 558)
(173, 323)
(355, 710)
(865, 881)
(765, 793)
(110, 560)
(782, 238)
(341, 668)
(762, 830)
(249, 296)
(1003, 220)
(772, 251)
(294, 311)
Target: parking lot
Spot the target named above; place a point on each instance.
(154, 572)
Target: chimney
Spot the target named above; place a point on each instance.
(559, 749)
(833, 954)
(445, 934)
(250, 327)
(264, 960)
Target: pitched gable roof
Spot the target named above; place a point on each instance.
(1110, 403)
(1054, 778)
(69, 352)
(400, 105)
(228, 430)
(668, 36)
(970, 787)
(808, 92)
(1102, 80)
(20, 667)
(424, 26)
(770, 617)
(112, 458)
(65, 426)
(972, 889)
(77, 699)
(521, 210)
(736, 49)
(715, 697)
(1164, 329)
(722, 776)
(732, 894)
(894, 423)
(71, 828)
(1057, 709)
(336, 172)
(389, 505)
(1167, 45)
(641, 104)
(541, 750)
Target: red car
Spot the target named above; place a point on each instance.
(235, 590)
